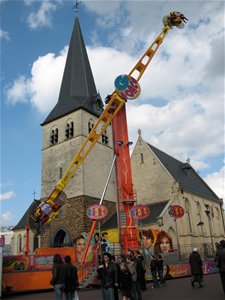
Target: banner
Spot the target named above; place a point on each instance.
(16, 263)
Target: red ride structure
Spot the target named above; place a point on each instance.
(127, 88)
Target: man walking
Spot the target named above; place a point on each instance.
(71, 280)
(109, 277)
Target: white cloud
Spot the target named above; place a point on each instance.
(4, 35)
(110, 7)
(18, 92)
(180, 109)
(43, 17)
(46, 79)
(216, 182)
(5, 217)
(42, 88)
(7, 196)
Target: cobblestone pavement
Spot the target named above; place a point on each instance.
(175, 289)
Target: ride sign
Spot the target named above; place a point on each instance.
(97, 212)
(127, 87)
(140, 212)
(176, 211)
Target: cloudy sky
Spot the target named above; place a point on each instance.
(181, 106)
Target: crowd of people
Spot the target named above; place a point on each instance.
(64, 278)
(127, 274)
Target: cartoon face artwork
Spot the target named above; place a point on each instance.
(80, 245)
(147, 242)
(96, 237)
(165, 245)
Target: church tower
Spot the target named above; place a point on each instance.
(64, 130)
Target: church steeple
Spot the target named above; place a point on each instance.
(78, 89)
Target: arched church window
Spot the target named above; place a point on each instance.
(61, 238)
(212, 212)
(198, 208)
(172, 234)
(188, 212)
(142, 158)
(105, 139)
(19, 243)
(217, 213)
(90, 125)
(60, 172)
(24, 239)
(199, 212)
(35, 243)
(54, 137)
(69, 131)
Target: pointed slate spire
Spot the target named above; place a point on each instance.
(78, 87)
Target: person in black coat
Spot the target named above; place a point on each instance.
(153, 267)
(159, 266)
(107, 272)
(58, 276)
(116, 288)
(195, 262)
(71, 279)
(140, 266)
(220, 262)
(139, 271)
(125, 281)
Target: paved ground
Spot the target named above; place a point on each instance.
(175, 289)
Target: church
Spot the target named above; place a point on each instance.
(159, 180)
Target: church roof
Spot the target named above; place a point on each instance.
(78, 89)
(26, 217)
(185, 174)
(155, 210)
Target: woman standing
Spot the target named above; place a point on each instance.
(58, 276)
(195, 262)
